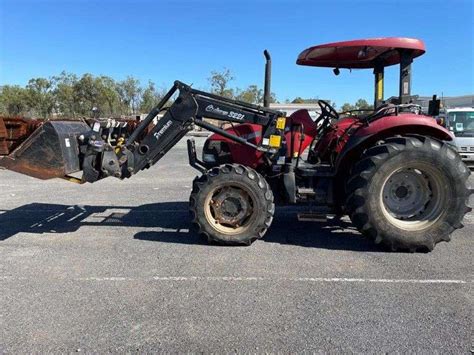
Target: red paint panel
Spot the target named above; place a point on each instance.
(360, 53)
(336, 139)
(416, 124)
(300, 117)
(248, 156)
(242, 154)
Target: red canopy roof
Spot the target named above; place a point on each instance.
(363, 53)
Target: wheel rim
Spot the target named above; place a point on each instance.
(229, 208)
(413, 197)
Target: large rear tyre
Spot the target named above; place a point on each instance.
(408, 193)
(231, 204)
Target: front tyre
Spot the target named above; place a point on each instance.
(408, 193)
(231, 204)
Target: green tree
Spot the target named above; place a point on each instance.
(13, 100)
(300, 100)
(273, 98)
(87, 94)
(150, 98)
(129, 92)
(64, 94)
(220, 83)
(109, 102)
(252, 95)
(297, 100)
(40, 96)
(99, 92)
(347, 107)
(361, 104)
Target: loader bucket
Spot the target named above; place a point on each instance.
(50, 151)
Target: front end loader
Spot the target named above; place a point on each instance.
(391, 170)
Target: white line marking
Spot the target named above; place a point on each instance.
(251, 279)
(57, 215)
(105, 279)
(303, 279)
(428, 281)
(75, 217)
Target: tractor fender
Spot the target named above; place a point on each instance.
(368, 135)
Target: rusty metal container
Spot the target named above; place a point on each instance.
(14, 130)
(3, 140)
(43, 150)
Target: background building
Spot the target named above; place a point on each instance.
(448, 102)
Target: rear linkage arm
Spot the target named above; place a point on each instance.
(148, 144)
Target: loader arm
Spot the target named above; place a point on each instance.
(147, 144)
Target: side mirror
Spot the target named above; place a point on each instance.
(434, 106)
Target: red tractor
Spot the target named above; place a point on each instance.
(391, 170)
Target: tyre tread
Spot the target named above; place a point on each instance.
(253, 177)
(369, 163)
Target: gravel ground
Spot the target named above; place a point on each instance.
(112, 266)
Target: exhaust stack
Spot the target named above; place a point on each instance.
(268, 79)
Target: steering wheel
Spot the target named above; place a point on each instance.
(327, 110)
(328, 113)
(323, 122)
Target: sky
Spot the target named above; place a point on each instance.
(167, 40)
